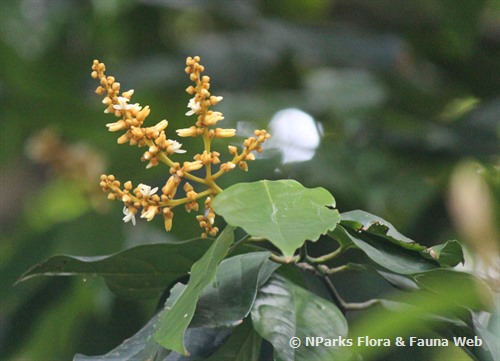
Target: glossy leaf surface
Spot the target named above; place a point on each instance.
(174, 320)
(389, 255)
(142, 271)
(283, 310)
(448, 254)
(243, 345)
(229, 297)
(369, 223)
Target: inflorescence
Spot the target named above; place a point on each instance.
(161, 149)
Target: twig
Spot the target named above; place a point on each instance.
(284, 260)
(341, 304)
(326, 257)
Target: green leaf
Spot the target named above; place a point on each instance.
(389, 255)
(278, 211)
(229, 298)
(141, 346)
(283, 310)
(142, 271)
(174, 320)
(454, 327)
(224, 302)
(409, 314)
(369, 223)
(243, 345)
(449, 254)
(343, 240)
(489, 331)
(479, 296)
(380, 241)
(399, 281)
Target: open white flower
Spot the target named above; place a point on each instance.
(123, 104)
(146, 190)
(176, 146)
(194, 106)
(129, 216)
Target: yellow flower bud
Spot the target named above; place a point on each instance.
(243, 165)
(128, 94)
(224, 133)
(187, 132)
(119, 125)
(190, 166)
(142, 114)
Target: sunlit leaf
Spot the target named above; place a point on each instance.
(142, 271)
(174, 320)
(283, 310)
(278, 211)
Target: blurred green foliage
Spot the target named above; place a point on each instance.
(407, 89)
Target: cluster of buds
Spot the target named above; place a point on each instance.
(161, 149)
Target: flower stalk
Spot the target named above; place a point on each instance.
(160, 148)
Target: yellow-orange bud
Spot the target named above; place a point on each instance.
(224, 133)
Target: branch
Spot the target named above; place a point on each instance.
(326, 257)
(342, 305)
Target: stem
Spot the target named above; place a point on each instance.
(239, 243)
(334, 294)
(257, 239)
(330, 271)
(218, 174)
(346, 306)
(165, 159)
(176, 202)
(361, 305)
(194, 178)
(237, 159)
(212, 185)
(284, 260)
(323, 272)
(206, 144)
(326, 257)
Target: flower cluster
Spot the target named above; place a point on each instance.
(161, 149)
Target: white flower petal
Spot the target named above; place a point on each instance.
(129, 216)
(146, 190)
(123, 105)
(177, 146)
(194, 106)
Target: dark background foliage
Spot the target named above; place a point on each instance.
(407, 93)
